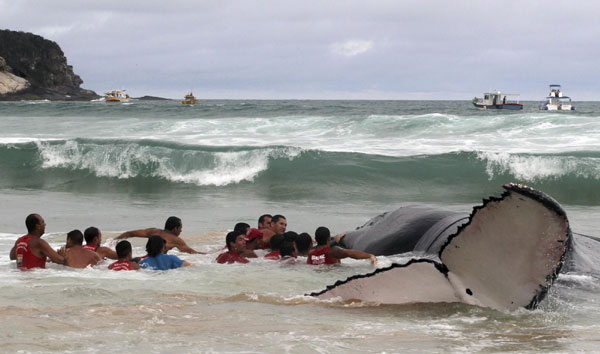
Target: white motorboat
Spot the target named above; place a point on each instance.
(556, 101)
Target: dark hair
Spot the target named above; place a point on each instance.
(262, 218)
(290, 236)
(276, 241)
(276, 218)
(90, 233)
(286, 249)
(241, 227)
(76, 237)
(231, 237)
(155, 245)
(303, 243)
(322, 235)
(31, 221)
(172, 223)
(123, 248)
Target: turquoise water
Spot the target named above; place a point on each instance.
(333, 163)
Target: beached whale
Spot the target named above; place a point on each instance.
(504, 255)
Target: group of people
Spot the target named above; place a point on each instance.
(270, 240)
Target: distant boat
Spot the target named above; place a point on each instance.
(498, 100)
(556, 101)
(189, 99)
(116, 96)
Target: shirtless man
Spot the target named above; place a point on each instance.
(30, 251)
(76, 256)
(170, 234)
(93, 240)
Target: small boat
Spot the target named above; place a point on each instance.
(556, 101)
(189, 99)
(116, 96)
(498, 100)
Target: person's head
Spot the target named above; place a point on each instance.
(241, 227)
(264, 221)
(74, 238)
(236, 241)
(276, 241)
(155, 245)
(287, 249)
(278, 224)
(303, 243)
(254, 239)
(174, 225)
(92, 236)
(123, 249)
(35, 224)
(322, 236)
(290, 236)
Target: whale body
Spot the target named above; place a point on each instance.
(504, 255)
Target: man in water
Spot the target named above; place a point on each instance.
(264, 222)
(124, 252)
(93, 240)
(75, 255)
(157, 259)
(236, 243)
(278, 226)
(324, 254)
(30, 251)
(170, 234)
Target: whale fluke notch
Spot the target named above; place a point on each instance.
(505, 256)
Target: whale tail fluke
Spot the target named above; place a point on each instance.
(505, 257)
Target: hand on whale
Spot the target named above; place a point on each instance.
(504, 255)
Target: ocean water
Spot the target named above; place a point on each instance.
(333, 163)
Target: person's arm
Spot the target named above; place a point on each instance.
(183, 247)
(135, 266)
(145, 233)
(338, 252)
(96, 259)
(47, 251)
(106, 252)
(13, 252)
(186, 264)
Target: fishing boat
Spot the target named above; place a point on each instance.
(556, 101)
(189, 99)
(498, 100)
(116, 96)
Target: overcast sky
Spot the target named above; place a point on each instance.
(323, 49)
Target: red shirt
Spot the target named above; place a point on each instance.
(92, 248)
(121, 264)
(25, 258)
(321, 256)
(231, 257)
(275, 255)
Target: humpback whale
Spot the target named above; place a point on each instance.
(504, 255)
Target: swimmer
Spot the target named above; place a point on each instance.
(288, 253)
(303, 244)
(170, 234)
(324, 254)
(264, 222)
(76, 256)
(93, 240)
(124, 253)
(278, 226)
(157, 260)
(276, 242)
(241, 227)
(30, 251)
(236, 243)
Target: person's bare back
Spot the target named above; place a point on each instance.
(79, 257)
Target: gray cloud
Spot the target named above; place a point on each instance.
(310, 49)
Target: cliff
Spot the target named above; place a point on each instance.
(34, 68)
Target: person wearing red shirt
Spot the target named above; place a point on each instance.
(93, 240)
(236, 243)
(276, 242)
(324, 254)
(30, 251)
(124, 253)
